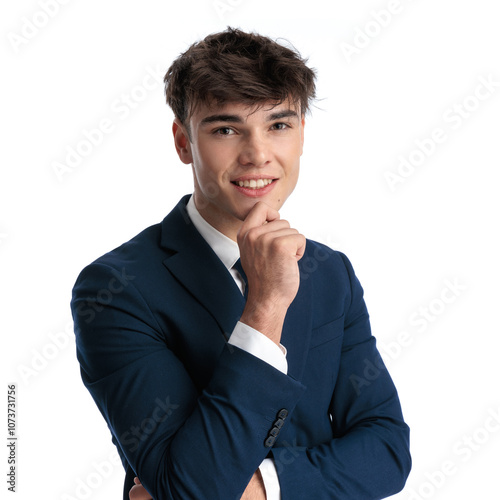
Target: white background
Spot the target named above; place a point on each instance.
(65, 72)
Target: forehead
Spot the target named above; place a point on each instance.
(242, 112)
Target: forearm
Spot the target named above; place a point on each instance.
(265, 318)
(259, 345)
(369, 463)
(223, 436)
(229, 426)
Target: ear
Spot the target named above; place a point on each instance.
(182, 143)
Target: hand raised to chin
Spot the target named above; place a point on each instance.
(269, 250)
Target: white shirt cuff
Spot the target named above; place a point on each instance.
(252, 341)
(270, 478)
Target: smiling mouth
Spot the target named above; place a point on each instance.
(254, 183)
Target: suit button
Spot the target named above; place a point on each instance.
(279, 423)
(274, 432)
(283, 414)
(269, 441)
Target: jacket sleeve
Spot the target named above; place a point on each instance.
(368, 458)
(182, 444)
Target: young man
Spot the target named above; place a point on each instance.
(227, 353)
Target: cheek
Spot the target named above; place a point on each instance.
(201, 167)
(208, 174)
(293, 173)
(209, 161)
(293, 180)
(293, 162)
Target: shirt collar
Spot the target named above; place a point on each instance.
(225, 248)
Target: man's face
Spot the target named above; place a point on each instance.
(241, 155)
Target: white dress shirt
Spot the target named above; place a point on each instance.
(244, 336)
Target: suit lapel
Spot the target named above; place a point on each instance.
(199, 270)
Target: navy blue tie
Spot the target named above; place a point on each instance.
(237, 265)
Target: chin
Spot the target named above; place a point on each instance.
(241, 212)
(242, 215)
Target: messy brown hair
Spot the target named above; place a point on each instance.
(234, 66)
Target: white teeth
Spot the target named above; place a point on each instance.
(255, 184)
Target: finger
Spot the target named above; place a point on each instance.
(137, 480)
(138, 492)
(258, 215)
(269, 228)
(134, 493)
(277, 236)
(295, 242)
(270, 213)
(283, 242)
(301, 248)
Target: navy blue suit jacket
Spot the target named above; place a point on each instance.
(194, 417)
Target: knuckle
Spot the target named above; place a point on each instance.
(252, 234)
(277, 244)
(267, 239)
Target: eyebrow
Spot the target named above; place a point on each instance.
(288, 113)
(227, 118)
(222, 118)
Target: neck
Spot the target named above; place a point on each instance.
(224, 223)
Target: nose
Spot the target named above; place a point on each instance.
(255, 151)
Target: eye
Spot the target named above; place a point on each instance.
(224, 131)
(280, 126)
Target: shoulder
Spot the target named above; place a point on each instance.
(145, 252)
(128, 264)
(332, 280)
(325, 263)
(135, 251)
